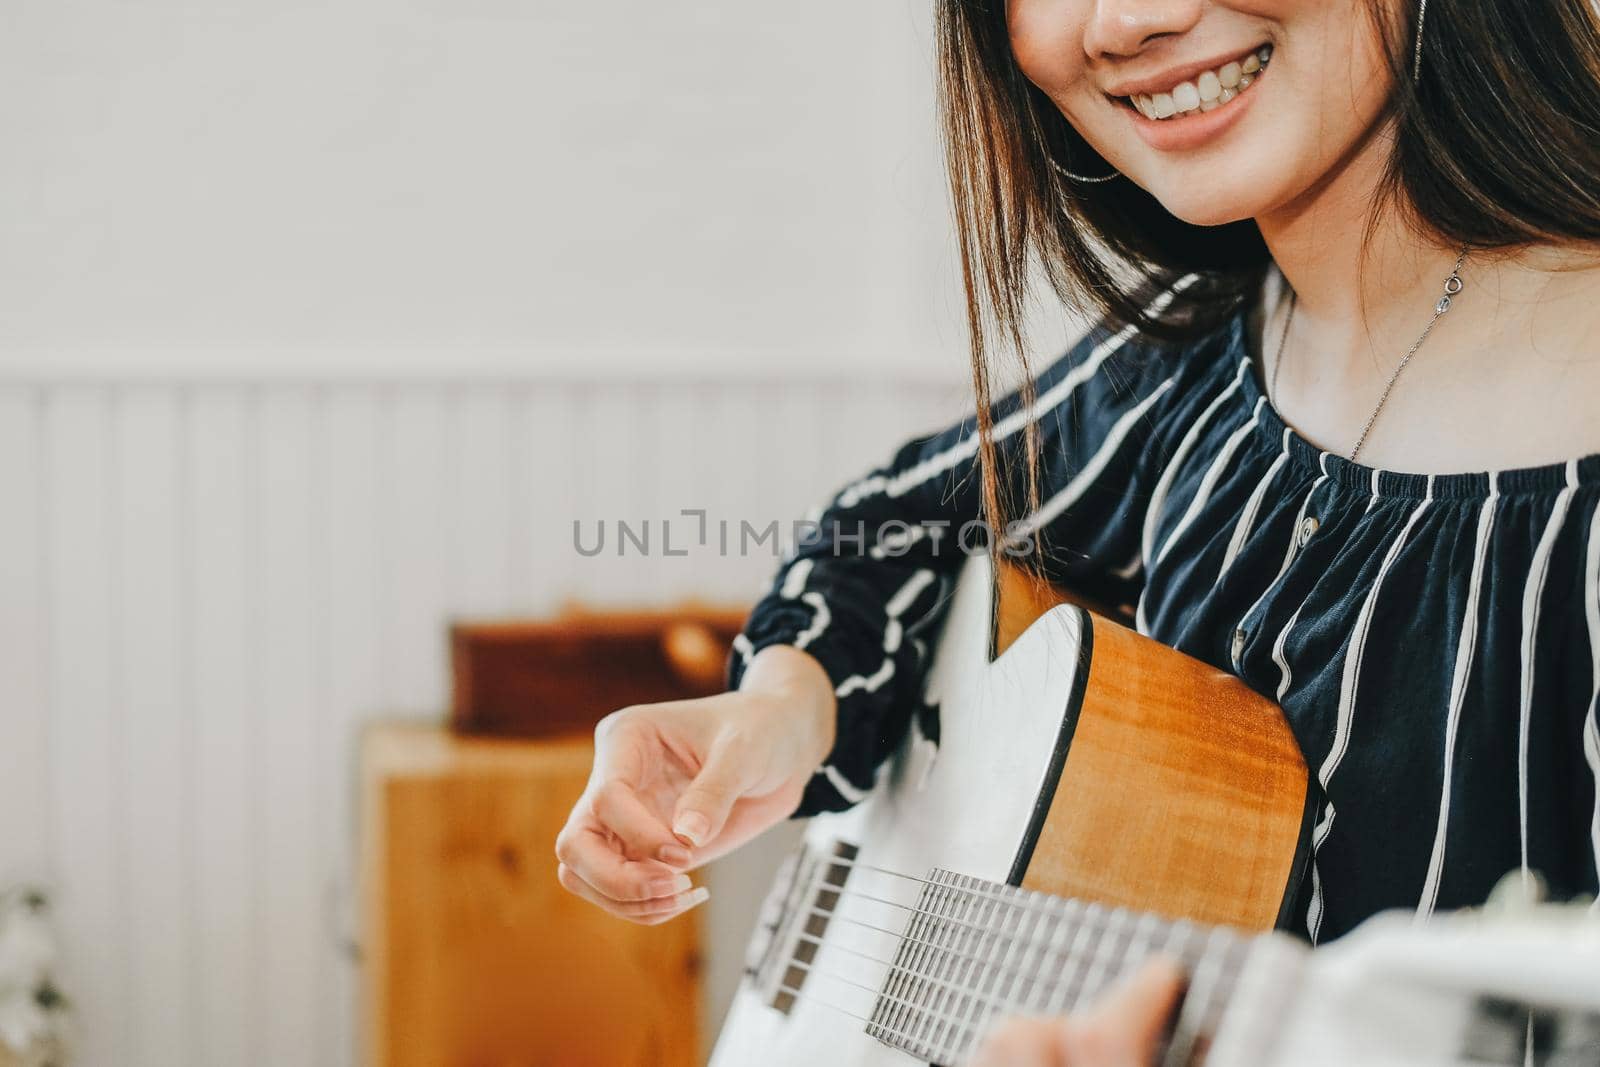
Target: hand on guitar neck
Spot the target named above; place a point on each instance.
(1124, 1029)
(679, 783)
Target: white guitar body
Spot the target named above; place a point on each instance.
(969, 814)
(1390, 993)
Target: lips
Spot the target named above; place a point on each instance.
(1167, 125)
(1165, 81)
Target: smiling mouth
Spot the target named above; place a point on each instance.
(1207, 92)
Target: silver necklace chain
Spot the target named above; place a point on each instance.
(1452, 286)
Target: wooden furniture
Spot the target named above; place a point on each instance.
(473, 954)
(561, 675)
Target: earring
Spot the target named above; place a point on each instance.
(1416, 62)
(1059, 169)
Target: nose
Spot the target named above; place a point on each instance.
(1127, 27)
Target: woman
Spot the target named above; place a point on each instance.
(1267, 201)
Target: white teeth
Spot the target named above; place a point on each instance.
(1208, 92)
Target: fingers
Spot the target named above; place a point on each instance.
(705, 804)
(1124, 1029)
(583, 847)
(647, 912)
(619, 810)
(1023, 1042)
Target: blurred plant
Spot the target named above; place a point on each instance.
(33, 1013)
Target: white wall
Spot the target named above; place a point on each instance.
(205, 590)
(320, 323)
(413, 184)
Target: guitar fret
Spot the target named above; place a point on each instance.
(915, 1010)
(1196, 1003)
(1176, 941)
(936, 988)
(875, 1030)
(1039, 973)
(1104, 952)
(943, 962)
(959, 1000)
(1047, 970)
(1229, 968)
(1006, 998)
(989, 992)
(973, 950)
(1057, 992)
(1082, 946)
(921, 988)
(974, 971)
(966, 940)
(987, 952)
(889, 1016)
(1139, 946)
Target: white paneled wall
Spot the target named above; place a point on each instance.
(206, 587)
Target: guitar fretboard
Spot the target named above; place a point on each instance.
(974, 950)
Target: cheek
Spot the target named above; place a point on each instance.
(1047, 41)
(1345, 83)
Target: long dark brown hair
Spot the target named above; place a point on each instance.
(1497, 148)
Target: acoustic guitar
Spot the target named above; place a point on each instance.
(1094, 797)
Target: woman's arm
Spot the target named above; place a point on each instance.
(865, 595)
(829, 667)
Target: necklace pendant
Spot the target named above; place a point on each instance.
(1452, 286)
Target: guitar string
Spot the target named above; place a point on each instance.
(798, 994)
(962, 1031)
(957, 1044)
(1061, 955)
(967, 1002)
(1096, 917)
(923, 1009)
(1038, 998)
(1014, 897)
(952, 1033)
(1558, 1056)
(1099, 920)
(1015, 905)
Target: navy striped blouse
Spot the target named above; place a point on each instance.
(1434, 640)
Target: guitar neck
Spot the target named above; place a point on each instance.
(974, 950)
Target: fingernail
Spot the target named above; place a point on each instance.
(678, 857)
(666, 887)
(692, 827)
(699, 896)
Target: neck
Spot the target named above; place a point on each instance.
(1354, 304)
(975, 950)
(1344, 292)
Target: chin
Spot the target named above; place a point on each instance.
(1209, 206)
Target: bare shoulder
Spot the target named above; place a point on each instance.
(1566, 310)
(1559, 364)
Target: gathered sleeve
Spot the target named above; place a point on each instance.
(865, 585)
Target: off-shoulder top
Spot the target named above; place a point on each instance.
(1434, 640)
